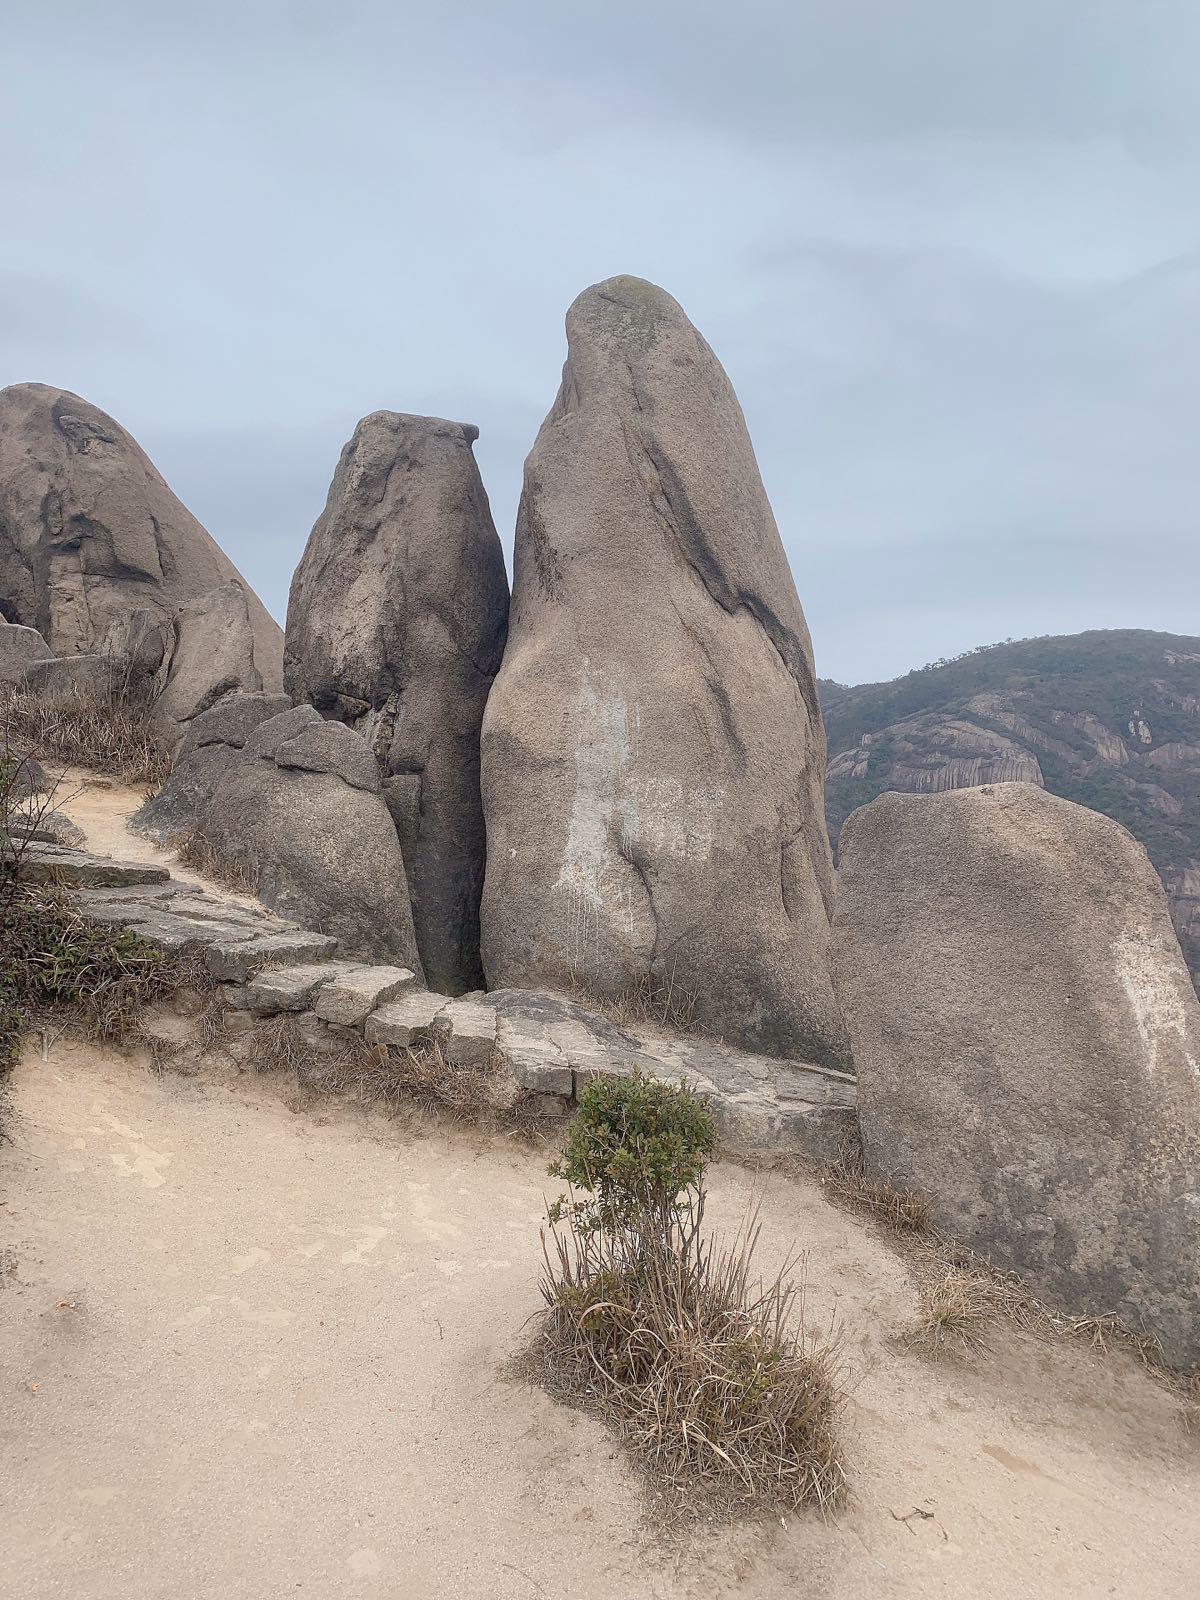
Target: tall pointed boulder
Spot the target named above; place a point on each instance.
(90, 533)
(653, 752)
(396, 625)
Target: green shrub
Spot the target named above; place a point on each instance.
(635, 1144)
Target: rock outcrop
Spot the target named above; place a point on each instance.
(19, 648)
(211, 656)
(1108, 719)
(396, 625)
(90, 532)
(301, 809)
(653, 754)
(211, 744)
(1027, 1043)
(81, 677)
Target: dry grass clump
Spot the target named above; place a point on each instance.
(374, 1076)
(705, 1370)
(108, 730)
(960, 1309)
(663, 1001)
(965, 1300)
(195, 850)
(903, 1211)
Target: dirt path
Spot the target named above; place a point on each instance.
(249, 1352)
(102, 807)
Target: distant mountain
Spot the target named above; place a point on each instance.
(1108, 719)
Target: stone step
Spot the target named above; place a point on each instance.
(236, 940)
(404, 1021)
(58, 863)
(234, 961)
(274, 989)
(350, 995)
(551, 1045)
(544, 1044)
(343, 992)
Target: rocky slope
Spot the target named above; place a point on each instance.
(1108, 719)
(91, 535)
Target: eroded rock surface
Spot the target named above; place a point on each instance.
(653, 753)
(90, 532)
(210, 745)
(211, 656)
(320, 847)
(396, 625)
(1027, 1042)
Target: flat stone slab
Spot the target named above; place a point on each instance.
(57, 863)
(274, 989)
(402, 1022)
(52, 827)
(235, 961)
(554, 1045)
(350, 996)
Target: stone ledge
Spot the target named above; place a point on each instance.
(546, 1045)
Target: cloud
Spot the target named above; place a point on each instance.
(946, 252)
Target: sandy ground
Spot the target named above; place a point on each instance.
(253, 1351)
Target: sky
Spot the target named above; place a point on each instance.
(948, 253)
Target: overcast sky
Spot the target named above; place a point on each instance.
(948, 252)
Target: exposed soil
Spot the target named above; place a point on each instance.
(252, 1351)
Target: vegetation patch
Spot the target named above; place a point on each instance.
(53, 959)
(705, 1370)
(965, 1301)
(901, 1210)
(109, 730)
(195, 850)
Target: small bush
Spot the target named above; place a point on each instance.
(635, 1145)
(705, 1370)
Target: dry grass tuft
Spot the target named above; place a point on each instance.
(706, 1372)
(662, 1001)
(195, 850)
(377, 1076)
(100, 978)
(277, 1044)
(960, 1310)
(110, 731)
(964, 1300)
(903, 1211)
